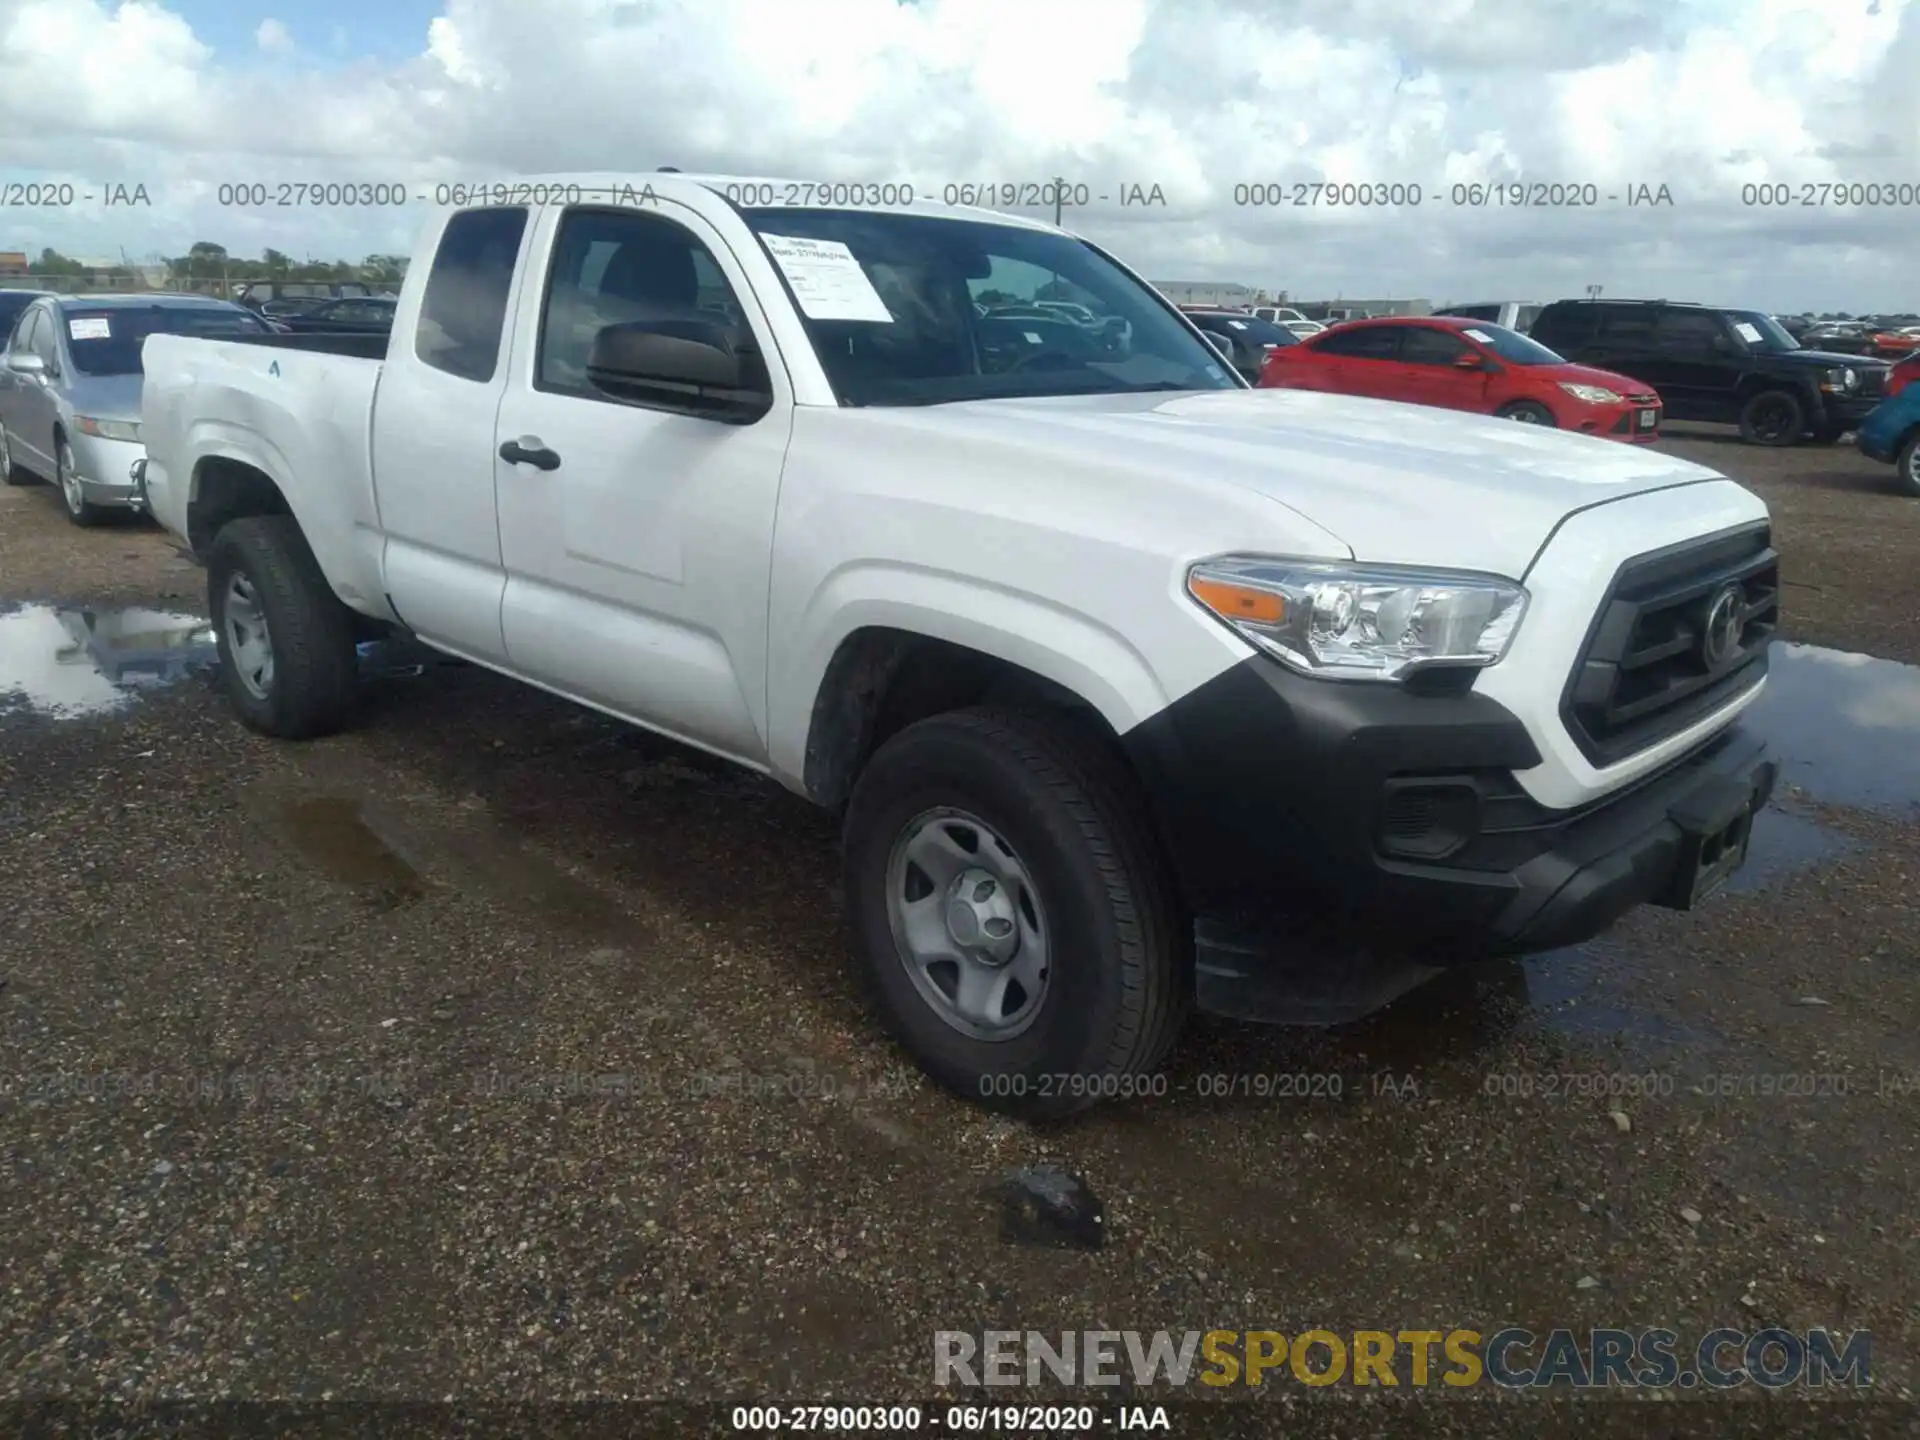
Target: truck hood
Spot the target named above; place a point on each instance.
(1397, 484)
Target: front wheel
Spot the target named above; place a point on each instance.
(1773, 417)
(287, 658)
(1907, 467)
(1015, 918)
(73, 499)
(1527, 412)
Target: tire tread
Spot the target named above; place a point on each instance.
(315, 665)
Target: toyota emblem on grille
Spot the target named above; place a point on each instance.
(1725, 620)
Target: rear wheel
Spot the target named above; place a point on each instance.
(1907, 467)
(1527, 412)
(1015, 919)
(287, 658)
(1773, 417)
(73, 499)
(8, 474)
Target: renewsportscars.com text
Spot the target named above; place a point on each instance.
(1510, 1358)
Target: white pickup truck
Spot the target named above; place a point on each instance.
(1136, 688)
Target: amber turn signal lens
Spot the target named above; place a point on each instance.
(1239, 602)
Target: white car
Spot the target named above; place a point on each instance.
(1280, 315)
(1134, 687)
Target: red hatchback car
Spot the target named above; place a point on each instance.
(1466, 365)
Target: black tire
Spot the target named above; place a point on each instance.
(11, 473)
(1119, 984)
(81, 512)
(315, 666)
(1527, 412)
(1773, 418)
(1906, 465)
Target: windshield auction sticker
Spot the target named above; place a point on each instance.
(827, 280)
(93, 327)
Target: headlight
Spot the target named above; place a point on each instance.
(1361, 622)
(107, 429)
(1591, 394)
(1839, 379)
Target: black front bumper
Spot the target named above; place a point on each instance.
(1849, 410)
(1362, 834)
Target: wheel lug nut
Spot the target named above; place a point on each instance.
(983, 891)
(999, 928)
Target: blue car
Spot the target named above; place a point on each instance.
(1892, 434)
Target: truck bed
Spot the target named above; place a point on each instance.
(362, 347)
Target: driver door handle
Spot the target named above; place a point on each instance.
(528, 450)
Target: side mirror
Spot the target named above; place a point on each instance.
(1469, 361)
(27, 365)
(1219, 343)
(683, 364)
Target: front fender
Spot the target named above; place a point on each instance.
(1075, 651)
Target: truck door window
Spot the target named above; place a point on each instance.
(612, 267)
(464, 312)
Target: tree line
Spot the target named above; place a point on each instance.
(205, 261)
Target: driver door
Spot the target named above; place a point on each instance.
(638, 561)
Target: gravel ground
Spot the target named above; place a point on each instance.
(495, 1052)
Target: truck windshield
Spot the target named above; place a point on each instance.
(923, 310)
(107, 341)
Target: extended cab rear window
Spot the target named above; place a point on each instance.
(464, 311)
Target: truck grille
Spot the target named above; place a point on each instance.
(1682, 632)
(1873, 383)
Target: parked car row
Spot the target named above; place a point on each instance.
(1638, 361)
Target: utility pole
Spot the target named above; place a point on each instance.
(1059, 189)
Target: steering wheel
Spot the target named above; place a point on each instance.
(1039, 360)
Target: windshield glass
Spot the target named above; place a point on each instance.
(893, 306)
(1512, 345)
(107, 341)
(1772, 337)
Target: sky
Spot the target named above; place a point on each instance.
(1214, 104)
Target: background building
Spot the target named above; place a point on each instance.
(1207, 292)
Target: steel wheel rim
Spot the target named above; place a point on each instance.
(248, 641)
(968, 925)
(1913, 465)
(6, 455)
(70, 489)
(1525, 417)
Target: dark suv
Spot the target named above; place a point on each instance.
(1728, 366)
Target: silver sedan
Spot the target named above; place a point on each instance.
(70, 390)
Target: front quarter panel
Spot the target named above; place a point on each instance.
(1068, 569)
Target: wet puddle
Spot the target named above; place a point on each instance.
(1846, 727)
(70, 663)
(65, 663)
(331, 834)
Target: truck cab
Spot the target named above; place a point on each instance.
(1127, 682)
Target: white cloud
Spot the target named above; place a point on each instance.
(1196, 96)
